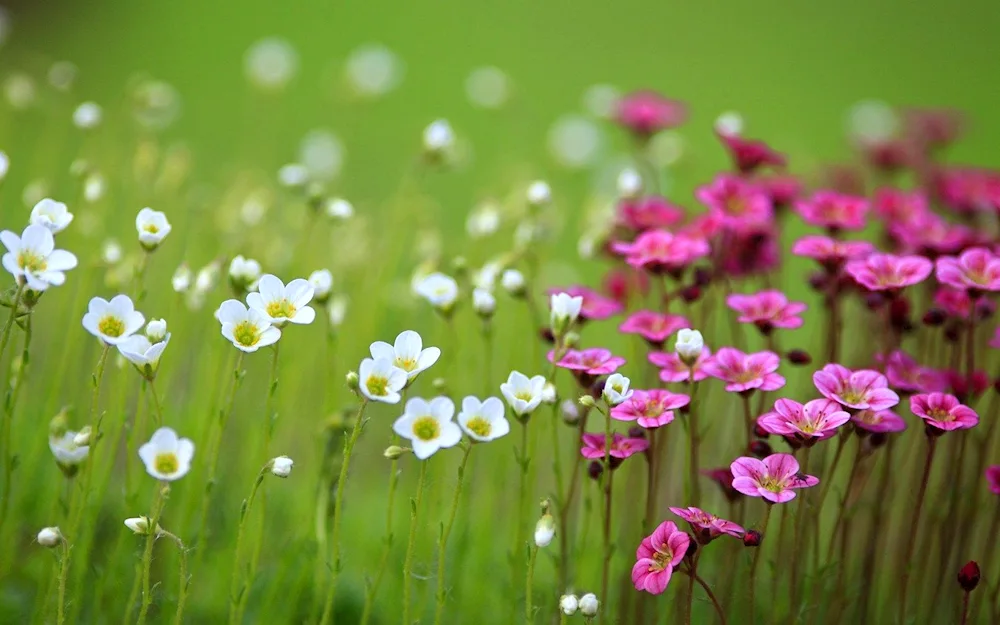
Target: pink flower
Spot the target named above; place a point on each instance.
(772, 478)
(659, 251)
(650, 409)
(767, 309)
(834, 211)
(993, 478)
(623, 283)
(657, 556)
(887, 155)
(647, 112)
(884, 421)
(958, 304)
(648, 213)
(994, 342)
(745, 372)
(930, 235)
(933, 127)
(621, 447)
(884, 272)
(724, 478)
(943, 411)
(782, 189)
(706, 526)
(969, 190)
(830, 252)
(894, 206)
(906, 374)
(748, 252)
(958, 381)
(818, 418)
(653, 326)
(595, 306)
(737, 203)
(673, 369)
(861, 390)
(592, 361)
(977, 269)
(749, 154)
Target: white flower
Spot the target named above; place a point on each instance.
(513, 282)
(337, 309)
(483, 302)
(51, 214)
(156, 330)
(407, 353)
(281, 304)
(111, 252)
(339, 208)
(380, 380)
(139, 525)
(539, 193)
(49, 537)
(483, 421)
(438, 289)
(568, 604)
(167, 457)
(729, 123)
(549, 394)
(438, 137)
(616, 389)
(281, 466)
(247, 328)
(206, 277)
(270, 63)
(244, 272)
(483, 221)
(33, 260)
(152, 227)
(545, 530)
(4, 164)
(486, 277)
(322, 282)
(428, 425)
(523, 394)
(589, 604)
(113, 322)
(93, 187)
(629, 184)
(143, 353)
(293, 175)
(689, 345)
(570, 411)
(181, 281)
(67, 453)
(565, 310)
(87, 115)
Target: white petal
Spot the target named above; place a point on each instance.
(397, 379)
(408, 345)
(256, 301)
(185, 451)
(60, 260)
(365, 370)
(428, 357)
(304, 316)
(269, 336)
(425, 449)
(134, 322)
(10, 264)
(164, 439)
(38, 238)
(270, 287)
(470, 406)
(404, 426)
(232, 311)
(11, 241)
(299, 292)
(417, 407)
(501, 427)
(98, 306)
(492, 409)
(442, 408)
(381, 349)
(450, 435)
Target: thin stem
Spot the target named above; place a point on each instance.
(183, 588)
(690, 590)
(563, 525)
(156, 403)
(411, 542)
(235, 592)
(8, 417)
(797, 555)
(970, 354)
(147, 555)
(711, 596)
(965, 609)
(521, 456)
(387, 546)
(529, 609)
(747, 418)
(338, 506)
(5, 337)
(755, 562)
(695, 437)
(606, 532)
(445, 533)
(487, 356)
(915, 527)
(63, 574)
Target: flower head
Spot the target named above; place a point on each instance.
(282, 304)
(674, 369)
(737, 204)
(407, 353)
(140, 525)
(650, 409)
(592, 361)
(428, 425)
(49, 537)
(152, 227)
(247, 329)
(976, 269)
(589, 604)
(660, 251)
(593, 306)
(523, 394)
(281, 466)
(439, 290)
(564, 311)
(745, 372)
(648, 213)
(653, 326)
(144, 354)
(51, 214)
(166, 456)
(657, 556)
(616, 389)
(905, 374)
(749, 155)
(863, 389)
(69, 456)
(380, 380)
(33, 260)
(569, 604)
(244, 273)
(322, 283)
(483, 421)
(706, 526)
(513, 282)
(113, 322)
(621, 447)
(767, 309)
(647, 112)
(943, 411)
(689, 345)
(993, 478)
(834, 211)
(886, 272)
(774, 478)
(879, 421)
(818, 419)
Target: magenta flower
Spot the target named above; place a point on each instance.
(774, 478)
(834, 211)
(818, 418)
(782, 189)
(750, 154)
(647, 112)
(767, 309)
(958, 382)
(673, 369)
(894, 206)
(648, 213)
(724, 478)
(977, 269)
(650, 409)
(862, 389)
(745, 372)
(748, 252)
(653, 326)
(958, 304)
(884, 421)
(930, 235)
(706, 526)
(739, 204)
(830, 252)
(660, 251)
(970, 190)
(884, 272)
(993, 478)
(943, 411)
(906, 374)
(621, 447)
(994, 342)
(657, 556)
(592, 361)
(595, 306)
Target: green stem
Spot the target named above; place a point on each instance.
(63, 574)
(755, 562)
(147, 555)
(10, 404)
(410, 544)
(387, 547)
(156, 403)
(235, 592)
(445, 533)
(5, 337)
(695, 442)
(915, 528)
(529, 609)
(487, 357)
(338, 513)
(522, 460)
(183, 585)
(606, 533)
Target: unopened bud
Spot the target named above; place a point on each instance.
(968, 576)
(934, 317)
(752, 538)
(49, 537)
(353, 381)
(58, 425)
(393, 452)
(760, 449)
(571, 340)
(760, 432)
(545, 530)
(571, 412)
(589, 604)
(139, 525)
(587, 401)
(569, 604)
(282, 466)
(594, 469)
(799, 357)
(637, 432)
(692, 548)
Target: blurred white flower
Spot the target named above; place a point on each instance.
(872, 121)
(439, 138)
(322, 154)
(564, 311)
(689, 345)
(62, 75)
(513, 282)
(665, 149)
(181, 280)
(166, 456)
(113, 321)
(380, 380)
(281, 466)
(293, 175)
(569, 604)
(322, 282)
(439, 290)
(152, 227)
(337, 309)
(487, 275)
(246, 328)
(373, 70)
(49, 537)
(483, 220)
(33, 260)
(270, 63)
(545, 530)
(629, 184)
(483, 302)
(539, 193)
(339, 208)
(549, 393)
(93, 188)
(4, 164)
(487, 87)
(244, 273)
(589, 604)
(156, 330)
(601, 101)
(575, 142)
(51, 214)
(111, 252)
(428, 425)
(483, 421)
(156, 104)
(87, 115)
(281, 304)
(19, 90)
(729, 123)
(67, 453)
(34, 192)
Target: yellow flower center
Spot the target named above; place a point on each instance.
(852, 396)
(479, 426)
(151, 228)
(523, 396)
(166, 463)
(940, 415)
(246, 334)
(426, 428)
(377, 385)
(281, 308)
(406, 364)
(31, 262)
(771, 484)
(112, 326)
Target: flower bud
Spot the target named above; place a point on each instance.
(58, 425)
(689, 345)
(139, 525)
(393, 452)
(637, 432)
(691, 293)
(438, 139)
(49, 537)
(156, 330)
(692, 548)
(565, 310)
(82, 437)
(760, 449)
(539, 194)
(483, 303)
(571, 340)
(968, 576)
(799, 357)
(353, 381)
(549, 394)
(339, 208)
(569, 604)
(760, 432)
(322, 283)
(752, 538)
(545, 530)
(589, 604)
(616, 389)
(571, 413)
(587, 401)
(595, 469)
(629, 184)
(934, 317)
(513, 282)
(181, 280)
(281, 466)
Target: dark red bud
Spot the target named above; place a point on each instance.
(693, 548)
(818, 280)
(934, 317)
(594, 469)
(760, 432)
(702, 276)
(968, 576)
(752, 538)
(799, 357)
(637, 432)
(691, 293)
(761, 449)
(874, 301)
(877, 439)
(996, 385)
(547, 335)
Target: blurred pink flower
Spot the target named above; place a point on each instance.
(706, 526)
(818, 418)
(623, 283)
(933, 127)
(650, 409)
(831, 252)
(993, 478)
(884, 421)
(653, 326)
(905, 374)
(834, 211)
(724, 478)
(861, 389)
(774, 478)
(958, 304)
(930, 235)
(648, 213)
(969, 190)
(657, 556)
(595, 306)
(884, 272)
(943, 411)
(592, 361)
(748, 155)
(976, 269)
(647, 112)
(958, 382)
(745, 372)
(895, 206)
(739, 204)
(673, 369)
(748, 252)
(767, 309)
(660, 251)
(783, 189)
(621, 447)
(994, 342)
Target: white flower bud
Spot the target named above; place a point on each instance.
(568, 604)
(82, 438)
(182, 278)
(111, 252)
(438, 137)
(87, 115)
(293, 175)
(729, 123)
(156, 330)
(565, 310)
(589, 604)
(545, 530)
(689, 345)
(616, 389)
(483, 302)
(139, 525)
(49, 537)
(539, 194)
(339, 208)
(393, 451)
(322, 283)
(93, 188)
(570, 412)
(549, 394)
(513, 282)
(629, 184)
(281, 466)
(587, 401)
